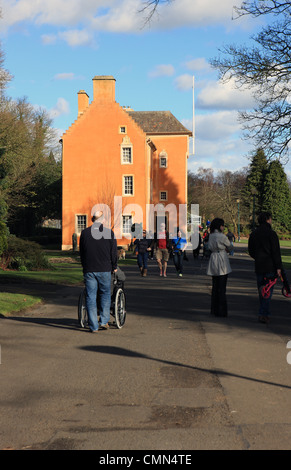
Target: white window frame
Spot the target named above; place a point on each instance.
(78, 225)
(126, 144)
(163, 156)
(124, 157)
(130, 218)
(122, 130)
(124, 185)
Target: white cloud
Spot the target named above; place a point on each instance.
(62, 107)
(48, 39)
(162, 71)
(218, 95)
(195, 13)
(53, 12)
(73, 38)
(64, 76)
(77, 38)
(218, 161)
(122, 16)
(116, 15)
(198, 65)
(218, 142)
(184, 82)
(217, 126)
(228, 154)
(109, 15)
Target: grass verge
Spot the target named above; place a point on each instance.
(13, 303)
(66, 269)
(286, 258)
(60, 275)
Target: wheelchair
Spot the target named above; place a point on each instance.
(117, 306)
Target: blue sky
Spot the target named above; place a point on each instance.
(53, 49)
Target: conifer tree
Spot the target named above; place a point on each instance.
(253, 191)
(277, 197)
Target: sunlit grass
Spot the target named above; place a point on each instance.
(65, 269)
(286, 258)
(12, 303)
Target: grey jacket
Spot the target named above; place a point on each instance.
(218, 263)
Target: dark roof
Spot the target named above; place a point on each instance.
(158, 122)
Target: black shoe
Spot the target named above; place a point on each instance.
(264, 319)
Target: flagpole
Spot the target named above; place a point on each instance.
(193, 132)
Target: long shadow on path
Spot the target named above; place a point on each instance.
(113, 350)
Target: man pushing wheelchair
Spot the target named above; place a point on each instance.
(98, 252)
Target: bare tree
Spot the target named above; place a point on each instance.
(217, 195)
(264, 68)
(150, 7)
(228, 192)
(262, 7)
(201, 190)
(5, 76)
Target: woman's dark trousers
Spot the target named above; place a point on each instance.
(218, 297)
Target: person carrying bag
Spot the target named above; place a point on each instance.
(179, 245)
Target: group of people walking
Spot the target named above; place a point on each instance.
(99, 259)
(263, 247)
(163, 246)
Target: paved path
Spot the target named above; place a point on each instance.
(174, 378)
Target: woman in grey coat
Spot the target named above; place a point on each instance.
(218, 267)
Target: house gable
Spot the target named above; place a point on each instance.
(114, 151)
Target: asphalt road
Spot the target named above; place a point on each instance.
(174, 378)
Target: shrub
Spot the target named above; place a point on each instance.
(3, 237)
(23, 255)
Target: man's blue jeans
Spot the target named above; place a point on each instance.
(178, 261)
(262, 280)
(101, 283)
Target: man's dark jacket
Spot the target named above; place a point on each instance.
(98, 253)
(264, 247)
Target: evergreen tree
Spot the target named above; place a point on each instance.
(277, 197)
(253, 191)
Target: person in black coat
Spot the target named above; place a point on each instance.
(142, 248)
(98, 253)
(264, 248)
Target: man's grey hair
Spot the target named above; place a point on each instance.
(97, 216)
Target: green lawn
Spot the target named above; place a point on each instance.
(12, 303)
(286, 258)
(283, 243)
(286, 243)
(66, 269)
(62, 274)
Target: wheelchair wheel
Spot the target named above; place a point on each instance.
(82, 310)
(120, 308)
